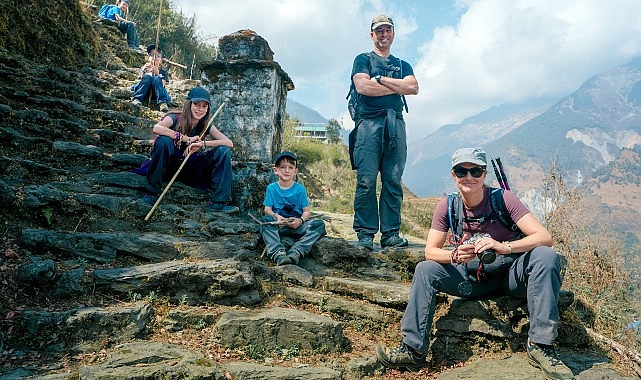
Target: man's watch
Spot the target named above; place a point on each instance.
(378, 79)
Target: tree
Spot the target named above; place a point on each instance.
(334, 132)
(177, 36)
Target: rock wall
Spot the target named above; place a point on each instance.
(254, 88)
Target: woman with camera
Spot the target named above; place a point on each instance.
(527, 268)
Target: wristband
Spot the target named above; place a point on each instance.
(509, 247)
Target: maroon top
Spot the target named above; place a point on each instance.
(491, 225)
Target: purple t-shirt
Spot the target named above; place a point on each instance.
(491, 226)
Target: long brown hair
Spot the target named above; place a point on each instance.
(184, 123)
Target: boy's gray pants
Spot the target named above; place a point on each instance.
(307, 234)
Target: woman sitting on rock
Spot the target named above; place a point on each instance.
(525, 266)
(177, 135)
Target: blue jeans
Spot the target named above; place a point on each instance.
(307, 234)
(129, 28)
(534, 276)
(211, 169)
(149, 83)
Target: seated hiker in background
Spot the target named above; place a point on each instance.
(115, 13)
(178, 133)
(287, 213)
(153, 77)
(524, 267)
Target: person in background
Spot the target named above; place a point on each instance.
(177, 135)
(287, 205)
(529, 269)
(126, 27)
(377, 142)
(153, 77)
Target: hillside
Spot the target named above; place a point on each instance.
(92, 291)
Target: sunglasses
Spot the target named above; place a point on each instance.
(461, 172)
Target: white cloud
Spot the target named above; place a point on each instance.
(504, 51)
(500, 51)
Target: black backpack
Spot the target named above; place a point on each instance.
(499, 212)
(352, 95)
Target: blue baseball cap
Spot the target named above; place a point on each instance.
(283, 155)
(199, 94)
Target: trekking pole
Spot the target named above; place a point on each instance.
(507, 185)
(202, 137)
(157, 47)
(498, 175)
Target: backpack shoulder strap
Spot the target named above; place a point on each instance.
(455, 214)
(500, 211)
(400, 64)
(352, 87)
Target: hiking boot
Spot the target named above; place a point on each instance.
(366, 242)
(294, 256)
(163, 107)
(220, 207)
(401, 357)
(393, 240)
(546, 358)
(136, 102)
(281, 258)
(149, 199)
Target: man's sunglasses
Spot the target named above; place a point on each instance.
(461, 172)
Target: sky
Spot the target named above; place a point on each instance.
(467, 55)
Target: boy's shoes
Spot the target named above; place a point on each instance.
(220, 207)
(149, 199)
(401, 357)
(136, 102)
(163, 107)
(393, 240)
(280, 258)
(546, 358)
(366, 242)
(294, 256)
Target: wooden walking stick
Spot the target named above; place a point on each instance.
(157, 44)
(202, 137)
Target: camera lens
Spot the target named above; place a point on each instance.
(488, 256)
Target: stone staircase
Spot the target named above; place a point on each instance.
(94, 291)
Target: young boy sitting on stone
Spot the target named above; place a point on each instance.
(153, 77)
(287, 213)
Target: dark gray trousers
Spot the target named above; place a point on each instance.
(534, 276)
(373, 153)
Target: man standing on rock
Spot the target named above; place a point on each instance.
(377, 143)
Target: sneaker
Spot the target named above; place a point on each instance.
(163, 107)
(221, 207)
(393, 240)
(280, 258)
(401, 357)
(366, 242)
(294, 256)
(149, 199)
(546, 358)
(136, 102)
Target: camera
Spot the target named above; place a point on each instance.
(489, 255)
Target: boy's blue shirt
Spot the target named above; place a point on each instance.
(288, 203)
(111, 15)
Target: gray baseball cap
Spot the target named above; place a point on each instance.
(381, 20)
(471, 155)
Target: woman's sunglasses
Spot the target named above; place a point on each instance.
(461, 172)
